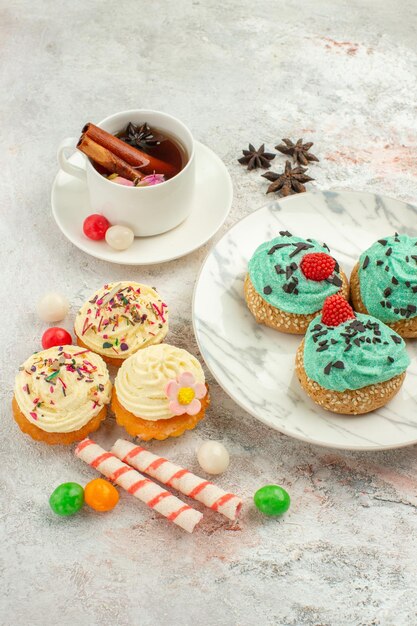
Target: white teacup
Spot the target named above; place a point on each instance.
(146, 210)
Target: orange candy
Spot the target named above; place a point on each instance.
(101, 495)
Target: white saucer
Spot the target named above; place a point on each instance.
(255, 364)
(212, 202)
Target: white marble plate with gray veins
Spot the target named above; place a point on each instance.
(255, 364)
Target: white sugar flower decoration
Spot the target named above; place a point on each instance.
(185, 394)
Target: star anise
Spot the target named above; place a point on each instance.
(141, 136)
(299, 151)
(256, 158)
(289, 181)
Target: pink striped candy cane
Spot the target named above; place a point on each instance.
(179, 478)
(142, 488)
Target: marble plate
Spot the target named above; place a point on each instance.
(212, 202)
(254, 364)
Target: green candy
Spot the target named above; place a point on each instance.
(67, 499)
(272, 500)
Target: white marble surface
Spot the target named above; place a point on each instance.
(341, 75)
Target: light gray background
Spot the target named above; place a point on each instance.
(341, 74)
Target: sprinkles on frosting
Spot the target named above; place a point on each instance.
(48, 369)
(354, 354)
(120, 309)
(276, 274)
(388, 278)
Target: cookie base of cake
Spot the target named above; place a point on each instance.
(407, 328)
(277, 319)
(56, 438)
(159, 429)
(351, 401)
(107, 359)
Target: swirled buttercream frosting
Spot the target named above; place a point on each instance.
(356, 353)
(275, 272)
(61, 389)
(121, 318)
(142, 380)
(388, 278)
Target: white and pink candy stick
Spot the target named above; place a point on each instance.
(179, 478)
(142, 488)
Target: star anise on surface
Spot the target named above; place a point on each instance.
(141, 136)
(256, 158)
(289, 181)
(299, 151)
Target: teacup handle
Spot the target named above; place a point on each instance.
(65, 147)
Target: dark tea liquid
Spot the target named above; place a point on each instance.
(169, 150)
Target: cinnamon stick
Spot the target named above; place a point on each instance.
(133, 156)
(107, 159)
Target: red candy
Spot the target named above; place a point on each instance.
(336, 310)
(95, 226)
(55, 336)
(317, 265)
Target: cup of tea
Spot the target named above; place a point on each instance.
(148, 209)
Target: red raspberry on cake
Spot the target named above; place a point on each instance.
(317, 265)
(336, 310)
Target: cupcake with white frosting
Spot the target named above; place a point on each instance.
(60, 394)
(121, 318)
(160, 392)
